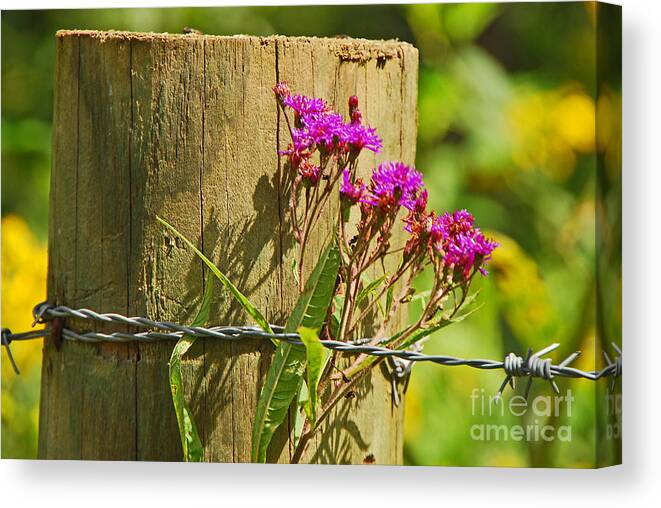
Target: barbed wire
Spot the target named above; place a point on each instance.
(532, 366)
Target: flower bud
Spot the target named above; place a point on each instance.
(353, 104)
(309, 173)
(356, 117)
(281, 90)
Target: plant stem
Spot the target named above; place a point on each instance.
(318, 204)
(336, 397)
(347, 302)
(306, 435)
(373, 301)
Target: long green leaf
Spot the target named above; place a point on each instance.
(316, 355)
(312, 306)
(301, 403)
(190, 439)
(285, 374)
(250, 309)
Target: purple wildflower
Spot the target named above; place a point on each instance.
(326, 130)
(304, 106)
(393, 184)
(461, 244)
(350, 191)
(298, 149)
(316, 125)
(461, 221)
(360, 136)
(301, 139)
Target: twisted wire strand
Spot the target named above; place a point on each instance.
(514, 366)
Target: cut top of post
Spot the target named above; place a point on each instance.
(347, 48)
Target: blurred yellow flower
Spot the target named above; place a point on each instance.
(549, 129)
(573, 116)
(24, 269)
(525, 300)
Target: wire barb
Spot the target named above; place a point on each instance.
(616, 365)
(534, 366)
(6, 340)
(400, 373)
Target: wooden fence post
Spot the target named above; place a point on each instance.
(186, 127)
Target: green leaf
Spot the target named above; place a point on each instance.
(300, 412)
(294, 270)
(190, 439)
(312, 305)
(285, 374)
(422, 296)
(250, 309)
(316, 355)
(468, 301)
(369, 289)
(336, 316)
(389, 296)
(334, 325)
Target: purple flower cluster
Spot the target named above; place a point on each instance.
(316, 126)
(393, 184)
(452, 236)
(462, 245)
(358, 136)
(323, 155)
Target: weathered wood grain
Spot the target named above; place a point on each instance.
(186, 127)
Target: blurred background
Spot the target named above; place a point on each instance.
(508, 97)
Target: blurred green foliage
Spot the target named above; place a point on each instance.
(507, 116)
